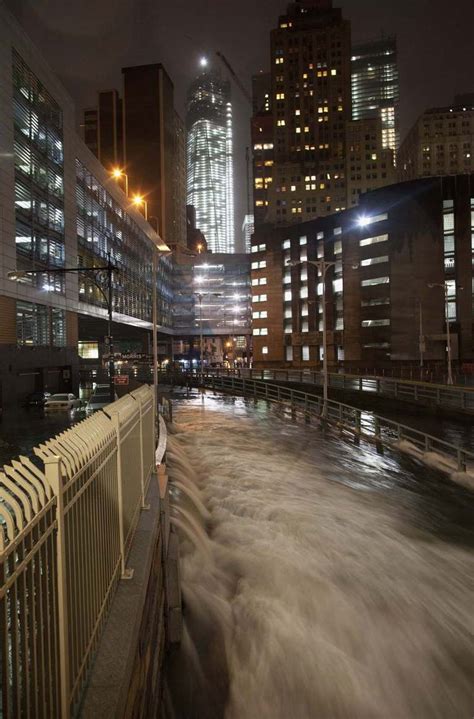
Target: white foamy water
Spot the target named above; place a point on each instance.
(332, 584)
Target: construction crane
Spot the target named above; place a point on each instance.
(235, 77)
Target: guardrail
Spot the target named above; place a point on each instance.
(380, 431)
(434, 395)
(66, 525)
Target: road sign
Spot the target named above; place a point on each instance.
(121, 379)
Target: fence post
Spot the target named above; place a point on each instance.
(52, 466)
(378, 443)
(125, 573)
(357, 427)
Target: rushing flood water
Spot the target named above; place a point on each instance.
(320, 580)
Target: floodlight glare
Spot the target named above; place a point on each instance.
(363, 221)
(204, 62)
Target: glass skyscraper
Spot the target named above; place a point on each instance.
(375, 86)
(209, 159)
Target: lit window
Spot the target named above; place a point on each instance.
(286, 244)
(333, 71)
(287, 296)
(375, 323)
(303, 240)
(88, 350)
(337, 247)
(305, 353)
(338, 285)
(264, 350)
(262, 281)
(374, 261)
(289, 353)
(373, 240)
(375, 281)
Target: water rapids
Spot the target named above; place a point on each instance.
(320, 580)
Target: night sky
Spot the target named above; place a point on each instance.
(87, 42)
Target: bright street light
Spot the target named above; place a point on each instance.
(139, 201)
(204, 62)
(117, 173)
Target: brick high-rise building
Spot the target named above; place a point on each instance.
(103, 133)
(261, 130)
(311, 99)
(145, 137)
(149, 129)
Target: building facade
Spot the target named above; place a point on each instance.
(441, 142)
(212, 296)
(210, 182)
(311, 101)
(143, 136)
(375, 87)
(400, 267)
(368, 164)
(60, 209)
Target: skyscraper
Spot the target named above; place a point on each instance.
(210, 187)
(311, 102)
(375, 87)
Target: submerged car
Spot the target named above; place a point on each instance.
(98, 400)
(37, 399)
(61, 402)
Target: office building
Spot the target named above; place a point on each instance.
(441, 142)
(60, 209)
(375, 87)
(368, 165)
(210, 181)
(400, 267)
(311, 99)
(261, 132)
(143, 136)
(103, 132)
(212, 297)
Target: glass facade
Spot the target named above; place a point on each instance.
(375, 87)
(209, 160)
(104, 228)
(38, 325)
(39, 183)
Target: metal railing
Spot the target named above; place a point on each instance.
(380, 431)
(434, 395)
(66, 525)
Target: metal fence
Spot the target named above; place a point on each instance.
(66, 526)
(426, 393)
(359, 424)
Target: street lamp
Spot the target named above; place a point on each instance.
(117, 173)
(109, 268)
(444, 287)
(139, 201)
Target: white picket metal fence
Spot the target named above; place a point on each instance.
(66, 526)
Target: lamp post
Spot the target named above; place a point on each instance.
(139, 201)
(117, 173)
(444, 287)
(322, 266)
(109, 268)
